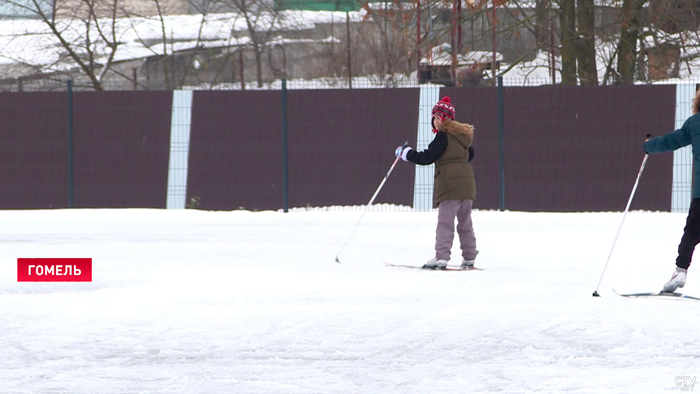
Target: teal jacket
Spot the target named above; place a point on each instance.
(686, 135)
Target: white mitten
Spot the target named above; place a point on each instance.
(402, 152)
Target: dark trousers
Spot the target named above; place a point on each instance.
(691, 235)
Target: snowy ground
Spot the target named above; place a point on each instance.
(241, 302)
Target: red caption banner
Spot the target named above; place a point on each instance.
(54, 270)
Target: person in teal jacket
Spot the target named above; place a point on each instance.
(689, 134)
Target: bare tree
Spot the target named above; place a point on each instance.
(333, 56)
(567, 21)
(386, 38)
(260, 18)
(338, 58)
(648, 39)
(586, 51)
(176, 66)
(86, 34)
(630, 32)
(672, 40)
(542, 27)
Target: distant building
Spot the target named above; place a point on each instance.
(76, 8)
(21, 9)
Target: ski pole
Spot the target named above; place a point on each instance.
(629, 202)
(371, 200)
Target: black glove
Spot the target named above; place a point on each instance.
(471, 153)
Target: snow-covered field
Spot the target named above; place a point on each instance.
(244, 302)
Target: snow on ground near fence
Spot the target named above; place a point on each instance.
(243, 302)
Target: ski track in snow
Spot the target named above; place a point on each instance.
(242, 302)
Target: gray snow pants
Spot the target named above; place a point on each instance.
(445, 233)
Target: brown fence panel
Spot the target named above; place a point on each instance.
(122, 145)
(566, 148)
(342, 142)
(33, 150)
(580, 148)
(235, 156)
(479, 107)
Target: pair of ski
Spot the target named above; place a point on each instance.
(448, 268)
(661, 294)
(629, 295)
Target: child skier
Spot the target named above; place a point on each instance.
(686, 135)
(454, 186)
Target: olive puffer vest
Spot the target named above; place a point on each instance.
(454, 176)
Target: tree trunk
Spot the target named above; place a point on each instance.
(587, 69)
(567, 20)
(642, 73)
(258, 65)
(542, 24)
(629, 36)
